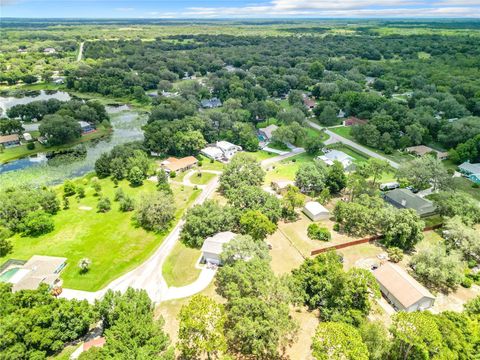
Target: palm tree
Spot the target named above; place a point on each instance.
(84, 265)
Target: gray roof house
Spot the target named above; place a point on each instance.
(267, 132)
(405, 199)
(469, 168)
(213, 246)
(211, 103)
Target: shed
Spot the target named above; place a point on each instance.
(315, 211)
(86, 127)
(402, 290)
(405, 199)
(213, 246)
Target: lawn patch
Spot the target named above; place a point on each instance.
(179, 268)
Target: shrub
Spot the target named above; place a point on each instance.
(173, 174)
(80, 192)
(84, 265)
(69, 188)
(336, 227)
(119, 194)
(126, 204)
(38, 223)
(316, 232)
(395, 254)
(97, 187)
(31, 146)
(104, 205)
(466, 282)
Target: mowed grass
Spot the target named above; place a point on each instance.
(179, 268)
(203, 179)
(286, 169)
(110, 240)
(262, 155)
(465, 185)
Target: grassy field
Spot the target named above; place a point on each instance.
(465, 185)
(397, 156)
(262, 155)
(110, 240)
(286, 169)
(17, 152)
(207, 164)
(203, 179)
(179, 268)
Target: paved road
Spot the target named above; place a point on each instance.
(265, 163)
(80, 52)
(334, 138)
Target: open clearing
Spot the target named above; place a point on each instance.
(110, 240)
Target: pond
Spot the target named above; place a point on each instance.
(127, 126)
(6, 102)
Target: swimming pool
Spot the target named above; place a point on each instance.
(7, 275)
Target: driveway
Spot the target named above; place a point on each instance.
(204, 279)
(335, 138)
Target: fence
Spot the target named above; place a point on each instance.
(362, 241)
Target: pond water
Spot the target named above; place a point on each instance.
(36, 170)
(6, 102)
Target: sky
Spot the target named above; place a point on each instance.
(240, 8)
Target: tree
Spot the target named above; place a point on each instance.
(60, 130)
(257, 225)
(375, 337)
(104, 205)
(201, 331)
(243, 247)
(415, 336)
(436, 268)
(37, 223)
(402, 228)
(452, 204)
(243, 169)
(424, 172)
(328, 116)
(316, 232)
(292, 199)
(460, 236)
(375, 168)
(126, 204)
(338, 341)
(69, 188)
(472, 307)
(336, 179)
(360, 217)
(202, 221)
(135, 176)
(5, 244)
(310, 178)
(155, 211)
(162, 182)
(84, 265)
(130, 329)
(313, 145)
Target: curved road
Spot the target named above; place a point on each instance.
(334, 138)
(80, 52)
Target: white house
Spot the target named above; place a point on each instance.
(49, 50)
(336, 155)
(403, 291)
(212, 152)
(213, 246)
(228, 149)
(315, 211)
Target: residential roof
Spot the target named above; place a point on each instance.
(214, 244)
(337, 155)
(84, 124)
(212, 151)
(213, 102)
(400, 284)
(315, 208)
(421, 150)
(404, 198)
(8, 138)
(97, 342)
(309, 102)
(352, 120)
(174, 164)
(39, 269)
(470, 168)
(225, 145)
(268, 131)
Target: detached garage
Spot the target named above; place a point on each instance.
(315, 211)
(402, 290)
(213, 246)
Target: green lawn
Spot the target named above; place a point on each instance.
(397, 156)
(110, 240)
(179, 268)
(465, 185)
(22, 151)
(262, 155)
(205, 178)
(207, 164)
(286, 169)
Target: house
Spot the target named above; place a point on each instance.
(401, 290)
(471, 171)
(211, 103)
(37, 270)
(179, 165)
(27, 136)
(421, 150)
(59, 81)
(335, 155)
(96, 342)
(280, 186)
(21, 50)
(266, 133)
(86, 127)
(213, 246)
(10, 140)
(352, 121)
(405, 199)
(315, 211)
(212, 152)
(341, 114)
(309, 102)
(228, 149)
(389, 186)
(49, 50)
